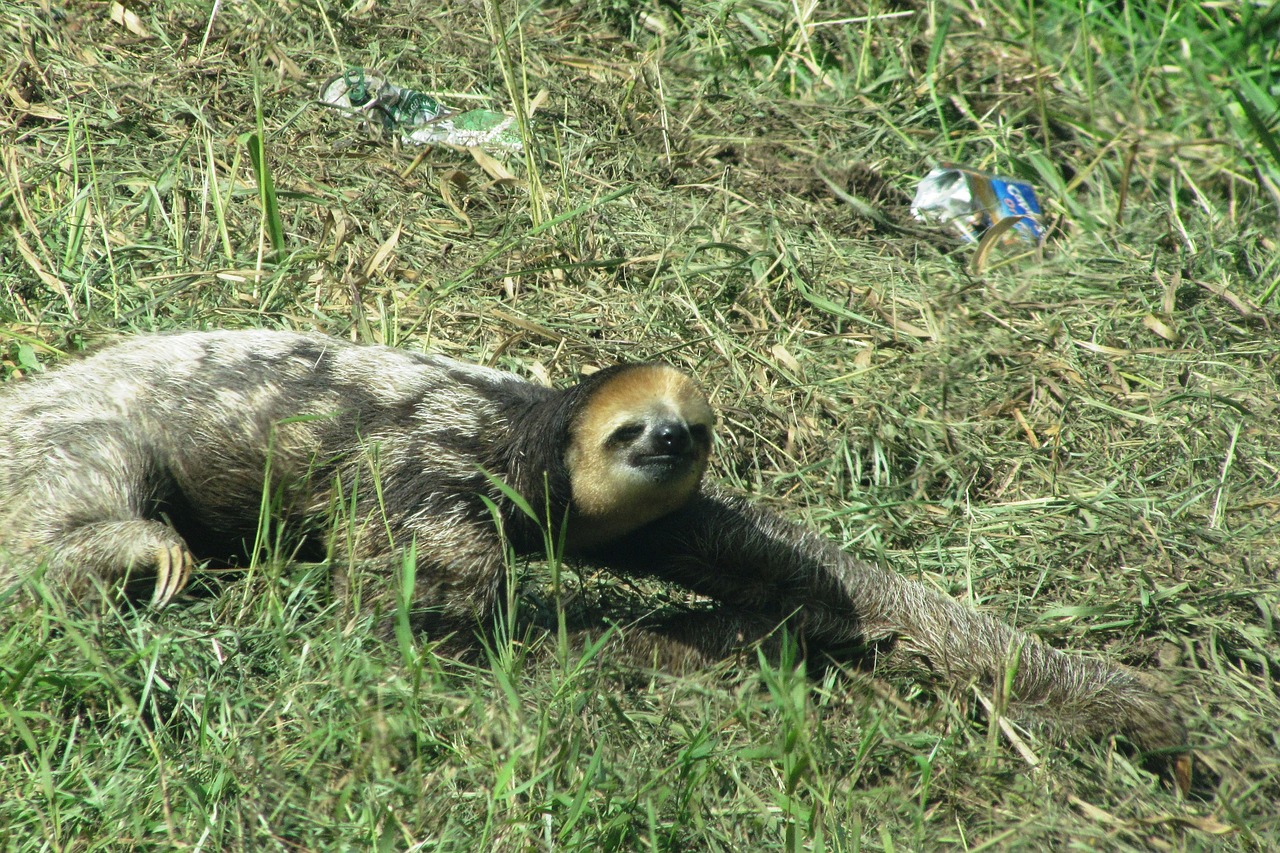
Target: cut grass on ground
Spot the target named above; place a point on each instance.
(1084, 441)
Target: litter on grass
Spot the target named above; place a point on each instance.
(974, 201)
(418, 118)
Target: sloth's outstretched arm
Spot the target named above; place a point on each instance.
(760, 564)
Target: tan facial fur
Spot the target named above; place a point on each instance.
(611, 496)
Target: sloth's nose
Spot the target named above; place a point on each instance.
(672, 437)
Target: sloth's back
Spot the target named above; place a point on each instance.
(209, 415)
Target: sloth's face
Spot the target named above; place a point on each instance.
(638, 451)
(661, 448)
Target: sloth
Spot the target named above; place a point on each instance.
(138, 465)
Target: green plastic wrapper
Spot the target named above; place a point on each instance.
(418, 118)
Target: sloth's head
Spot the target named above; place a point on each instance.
(638, 445)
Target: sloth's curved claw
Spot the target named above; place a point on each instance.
(173, 570)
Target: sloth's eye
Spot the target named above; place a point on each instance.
(626, 434)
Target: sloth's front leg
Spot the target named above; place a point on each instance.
(447, 576)
(762, 565)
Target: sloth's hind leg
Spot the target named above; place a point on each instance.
(80, 492)
(121, 553)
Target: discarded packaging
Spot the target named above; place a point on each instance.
(419, 118)
(973, 201)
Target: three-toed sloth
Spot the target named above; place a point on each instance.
(155, 454)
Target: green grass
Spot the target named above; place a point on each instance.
(1085, 442)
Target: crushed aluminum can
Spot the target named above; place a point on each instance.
(973, 201)
(419, 118)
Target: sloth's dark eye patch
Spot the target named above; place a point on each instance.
(701, 433)
(626, 434)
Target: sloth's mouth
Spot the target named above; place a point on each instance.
(663, 457)
(662, 464)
